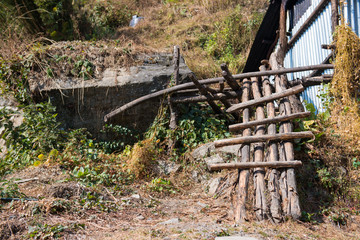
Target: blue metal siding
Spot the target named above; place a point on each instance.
(307, 50)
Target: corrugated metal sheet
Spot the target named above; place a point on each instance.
(351, 10)
(307, 50)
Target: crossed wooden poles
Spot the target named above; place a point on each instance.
(270, 131)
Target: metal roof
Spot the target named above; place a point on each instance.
(265, 38)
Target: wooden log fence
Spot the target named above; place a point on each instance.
(273, 154)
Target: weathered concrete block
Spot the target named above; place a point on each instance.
(83, 103)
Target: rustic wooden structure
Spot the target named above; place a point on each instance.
(263, 107)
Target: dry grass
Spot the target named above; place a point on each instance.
(141, 158)
(345, 86)
(185, 23)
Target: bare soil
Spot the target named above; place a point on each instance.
(138, 213)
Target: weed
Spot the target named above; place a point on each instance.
(9, 189)
(162, 186)
(46, 231)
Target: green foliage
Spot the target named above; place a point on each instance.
(56, 16)
(119, 137)
(197, 124)
(46, 231)
(334, 180)
(94, 200)
(83, 68)
(162, 186)
(38, 134)
(104, 18)
(230, 42)
(9, 189)
(13, 78)
(307, 217)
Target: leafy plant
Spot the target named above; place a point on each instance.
(38, 134)
(162, 186)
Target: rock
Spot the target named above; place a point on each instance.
(197, 177)
(136, 196)
(203, 205)
(203, 151)
(167, 167)
(214, 159)
(234, 149)
(236, 238)
(213, 185)
(171, 221)
(140, 217)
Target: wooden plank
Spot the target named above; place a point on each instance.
(249, 165)
(242, 194)
(240, 126)
(184, 86)
(272, 155)
(285, 93)
(307, 23)
(264, 138)
(260, 205)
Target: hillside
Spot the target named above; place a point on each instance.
(59, 183)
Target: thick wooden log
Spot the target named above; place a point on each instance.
(173, 111)
(249, 165)
(292, 206)
(264, 138)
(278, 119)
(285, 93)
(184, 86)
(272, 155)
(242, 194)
(260, 205)
(282, 34)
(334, 15)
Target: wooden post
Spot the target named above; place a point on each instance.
(173, 112)
(282, 34)
(260, 205)
(240, 209)
(273, 156)
(292, 205)
(334, 15)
